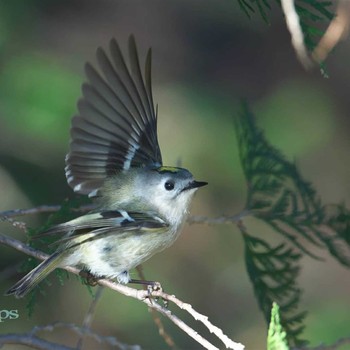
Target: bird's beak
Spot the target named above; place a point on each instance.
(195, 184)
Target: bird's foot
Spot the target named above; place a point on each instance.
(89, 278)
(151, 286)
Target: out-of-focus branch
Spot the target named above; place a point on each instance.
(143, 295)
(293, 25)
(15, 223)
(232, 219)
(30, 340)
(84, 332)
(339, 343)
(90, 315)
(336, 31)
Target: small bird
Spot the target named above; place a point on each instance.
(114, 157)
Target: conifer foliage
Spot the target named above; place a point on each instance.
(279, 196)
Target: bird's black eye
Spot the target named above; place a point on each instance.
(169, 185)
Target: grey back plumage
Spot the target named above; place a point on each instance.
(116, 128)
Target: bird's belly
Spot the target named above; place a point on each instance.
(111, 256)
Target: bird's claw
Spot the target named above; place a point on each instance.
(156, 287)
(89, 278)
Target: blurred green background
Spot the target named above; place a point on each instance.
(206, 56)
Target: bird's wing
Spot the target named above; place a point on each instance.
(95, 225)
(117, 124)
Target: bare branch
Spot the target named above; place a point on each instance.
(85, 332)
(41, 209)
(30, 211)
(18, 245)
(204, 319)
(143, 296)
(31, 341)
(182, 325)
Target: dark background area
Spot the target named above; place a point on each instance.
(206, 56)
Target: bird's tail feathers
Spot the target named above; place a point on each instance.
(30, 280)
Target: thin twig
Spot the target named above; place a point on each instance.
(143, 296)
(31, 341)
(90, 314)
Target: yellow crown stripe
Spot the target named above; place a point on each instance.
(170, 169)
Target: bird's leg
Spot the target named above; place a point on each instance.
(156, 286)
